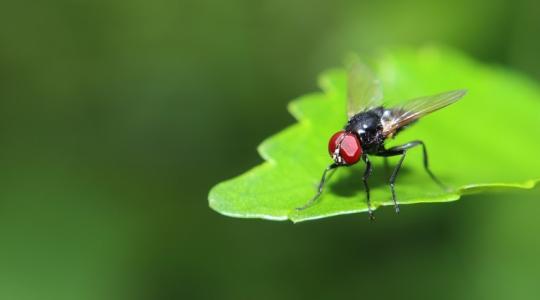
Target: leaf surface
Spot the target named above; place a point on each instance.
(489, 140)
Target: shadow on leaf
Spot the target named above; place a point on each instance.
(350, 182)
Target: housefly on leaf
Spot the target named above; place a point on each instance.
(370, 124)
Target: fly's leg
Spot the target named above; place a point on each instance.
(367, 173)
(386, 164)
(393, 180)
(412, 144)
(402, 150)
(394, 152)
(320, 188)
(426, 167)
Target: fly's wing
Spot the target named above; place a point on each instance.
(364, 89)
(412, 110)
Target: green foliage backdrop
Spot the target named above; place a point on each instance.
(118, 117)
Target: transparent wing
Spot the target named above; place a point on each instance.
(364, 89)
(412, 110)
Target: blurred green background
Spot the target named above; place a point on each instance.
(118, 116)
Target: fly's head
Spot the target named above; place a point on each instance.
(344, 147)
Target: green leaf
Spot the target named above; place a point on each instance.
(486, 141)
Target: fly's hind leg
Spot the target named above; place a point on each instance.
(412, 144)
(402, 150)
(386, 165)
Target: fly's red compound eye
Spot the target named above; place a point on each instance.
(349, 147)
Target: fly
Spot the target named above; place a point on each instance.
(370, 124)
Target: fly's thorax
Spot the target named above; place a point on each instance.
(368, 127)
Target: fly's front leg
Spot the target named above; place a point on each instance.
(367, 173)
(320, 188)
